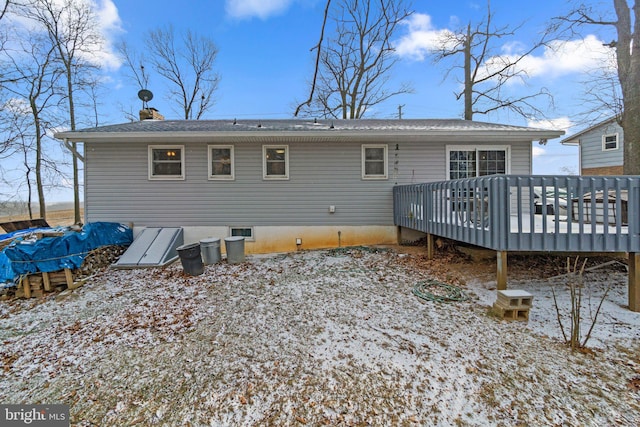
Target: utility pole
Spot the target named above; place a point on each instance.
(400, 111)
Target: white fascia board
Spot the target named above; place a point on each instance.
(391, 135)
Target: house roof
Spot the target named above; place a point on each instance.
(147, 130)
(575, 138)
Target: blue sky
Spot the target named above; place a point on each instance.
(265, 62)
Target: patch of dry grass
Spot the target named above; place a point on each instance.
(62, 217)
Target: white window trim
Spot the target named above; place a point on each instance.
(604, 137)
(386, 161)
(505, 148)
(213, 177)
(264, 163)
(153, 177)
(247, 239)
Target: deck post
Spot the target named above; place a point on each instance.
(501, 258)
(634, 281)
(430, 247)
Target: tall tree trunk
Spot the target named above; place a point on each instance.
(631, 114)
(28, 181)
(39, 186)
(628, 61)
(38, 167)
(631, 125)
(468, 83)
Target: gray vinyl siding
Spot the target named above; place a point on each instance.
(320, 175)
(591, 152)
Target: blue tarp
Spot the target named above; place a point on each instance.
(56, 253)
(18, 233)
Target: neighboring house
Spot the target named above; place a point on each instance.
(326, 183)
(600, 148)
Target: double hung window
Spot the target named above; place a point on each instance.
(275, 161)
(374, 161)
(610, 142)
(221, 163)
(166, 162)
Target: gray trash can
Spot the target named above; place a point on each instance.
(190, 258)
(210, 249)
(235, 249)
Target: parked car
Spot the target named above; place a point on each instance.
(549, 204)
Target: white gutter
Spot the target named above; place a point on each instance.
(326, 135)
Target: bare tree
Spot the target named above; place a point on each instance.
(354, 67)
(188, 66)
(12, 123)
(3, 9)
(576, 285)
(486, 74)
(25, 148)
(72, 29)
(34, 78)
(601, 97)
(318, 49)
(4, 37)
(625, 21)
(135, 64)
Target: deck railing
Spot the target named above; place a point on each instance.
(527, 213)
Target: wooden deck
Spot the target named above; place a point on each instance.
(508, 213)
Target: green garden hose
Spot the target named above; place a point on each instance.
(433, 290)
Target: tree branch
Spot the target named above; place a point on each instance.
(317, 67)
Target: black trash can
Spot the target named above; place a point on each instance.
(190, 258)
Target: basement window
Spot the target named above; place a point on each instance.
(246, 232)
(166, 162)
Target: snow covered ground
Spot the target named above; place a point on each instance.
(321, 337)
